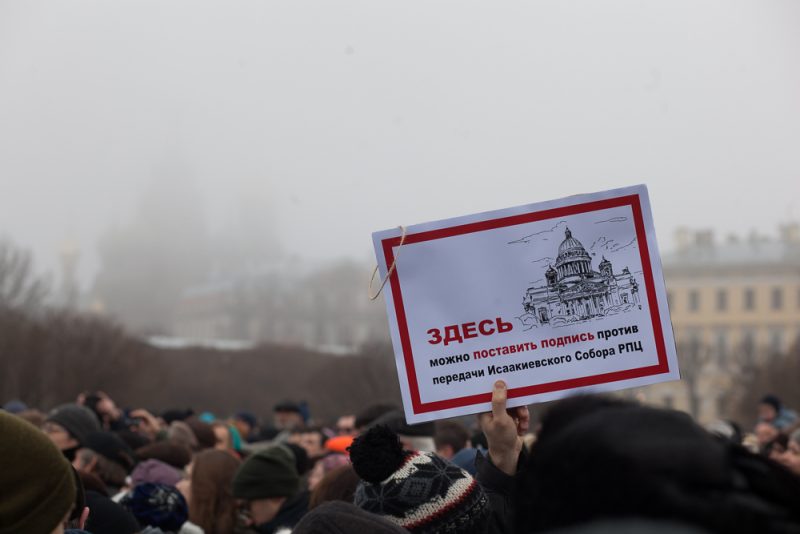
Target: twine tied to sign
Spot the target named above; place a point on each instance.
(391, 268)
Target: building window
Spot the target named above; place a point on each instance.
(694, 300)
(722, 300)
(777, 298)
(749, 299)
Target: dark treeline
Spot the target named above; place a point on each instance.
(52, 356)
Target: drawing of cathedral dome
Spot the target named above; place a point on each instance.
(569, 243)
(573, 260)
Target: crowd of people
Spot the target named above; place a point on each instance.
(591, 464)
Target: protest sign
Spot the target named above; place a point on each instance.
(555, 298)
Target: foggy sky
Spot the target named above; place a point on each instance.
(344, 117)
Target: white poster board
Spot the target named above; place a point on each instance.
(554, 298)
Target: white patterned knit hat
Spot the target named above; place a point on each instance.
(421, 492)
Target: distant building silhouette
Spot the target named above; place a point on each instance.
(325, 309)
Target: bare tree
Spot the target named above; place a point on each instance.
(20, 288)
(778, 374)
(694, 360)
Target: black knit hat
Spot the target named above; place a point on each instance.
(108, 517)
(773, 401)
(112, 447)
(419, 491)
(267, 473)
(78, 420)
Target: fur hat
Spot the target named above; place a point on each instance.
(418, 491)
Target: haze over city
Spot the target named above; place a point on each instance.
(330, 120)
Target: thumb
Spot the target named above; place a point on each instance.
(499, 398)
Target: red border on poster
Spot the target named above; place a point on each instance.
(469, 400)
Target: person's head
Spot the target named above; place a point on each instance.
(211, 503)
(38, 484)
(112, 474)
(325, 465)
(15, 406)
(765, 432)
(600, 458)
(727, 430)
(775, 448)
(311, 439)
(338, 484)
(366, 417)
(108, 517)
(450, 437)
(176, 414)
(203, 432)
(415, 490)
(245, 423)
(174, 454)
(180, 432)
(155, 472)
(302, 462)
(102, 406)
(337, 517)
(223, 436)
(790, 458)
(157, 505)
(417, 437)
(264, 481)
(69, 425)
(287, 415)
(768, 408)
(34, 417)
(346, 425)
(113, 448)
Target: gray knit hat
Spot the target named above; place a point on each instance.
(78, 420)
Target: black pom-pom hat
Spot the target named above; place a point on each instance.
(419, 491)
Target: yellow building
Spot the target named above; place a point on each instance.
(732, 305)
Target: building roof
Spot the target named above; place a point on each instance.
(736, 253)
